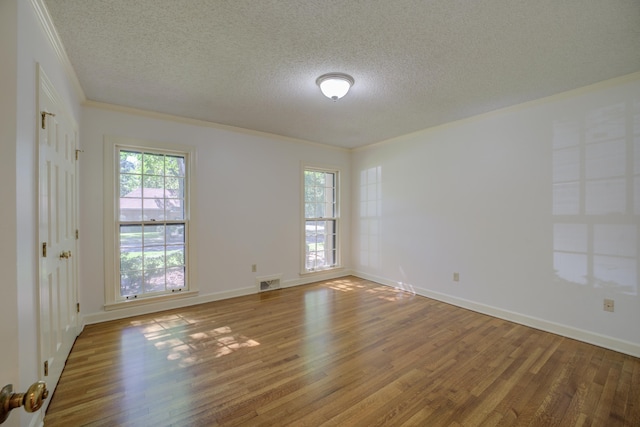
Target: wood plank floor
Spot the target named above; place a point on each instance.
(338, 353)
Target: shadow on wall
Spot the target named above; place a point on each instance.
(596, 198)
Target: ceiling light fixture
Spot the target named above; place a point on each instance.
(335, 85)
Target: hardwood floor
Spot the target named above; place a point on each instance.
(342, 352)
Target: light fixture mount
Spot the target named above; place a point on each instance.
(335, 85)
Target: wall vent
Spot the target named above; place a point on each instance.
(268, 283)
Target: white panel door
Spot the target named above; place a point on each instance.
(57, 231)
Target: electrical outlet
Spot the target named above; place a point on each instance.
(456, 277)
(254, 268)
(608, 305)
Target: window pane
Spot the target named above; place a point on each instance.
(153, 209)
(130, 185)
(154, 280)
(332, 201)
(175, 256)
(309, 210)
(130, 283)
(319, 194)
(174, 209)
(174, 165)
(318, 178)
(153, 235)
(175, 234)
(175, 187)
(309, 192)
(320, 210)
(153, 258)
(131, 259)
(153, 164)
(320, 247)
(175, 277)
(130, 209)
(130, 236)
(130, 162)
(315, 243)
(153, 186)
(311, 261)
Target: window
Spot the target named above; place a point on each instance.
(321, 219)
(149, 244)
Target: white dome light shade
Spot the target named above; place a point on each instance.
(335, 85)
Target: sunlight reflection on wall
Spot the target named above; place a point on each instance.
(596, 202)
(370, 211)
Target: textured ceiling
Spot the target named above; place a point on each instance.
(416, 63)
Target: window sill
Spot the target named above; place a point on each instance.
(318, 272)
(149, 300)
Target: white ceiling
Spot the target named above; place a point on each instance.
(416, 63)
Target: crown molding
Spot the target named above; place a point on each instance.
(203, 123)
(51, 33)
(583, 90)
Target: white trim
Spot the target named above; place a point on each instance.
(109, 187)
(204, 123)
(321, 271)
(316, 276)
(51, 33)
(58, 101)
(119, 305)
(584, 90)
(158, 306)
(589, 337)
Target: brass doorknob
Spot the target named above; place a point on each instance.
(31, 400)
(65, 255)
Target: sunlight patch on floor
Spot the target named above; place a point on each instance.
(344, 285)
(388, 293)
(167, 335)
(395, 293)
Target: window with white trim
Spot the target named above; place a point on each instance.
(321, 219)
(152, 222)
(147, 220)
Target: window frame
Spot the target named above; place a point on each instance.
(112, 147)
(338, 227)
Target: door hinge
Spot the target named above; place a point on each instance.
(78, 153)
(77, 234)
(44, 249)
(78, 307)
(46, 368)
(43, 115)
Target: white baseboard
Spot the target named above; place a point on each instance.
(105, 316)
(316, 277)
(589, 337)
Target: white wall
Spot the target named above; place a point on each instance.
(247, 204)
(537, 207)
(23, 45)
(9, 356)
